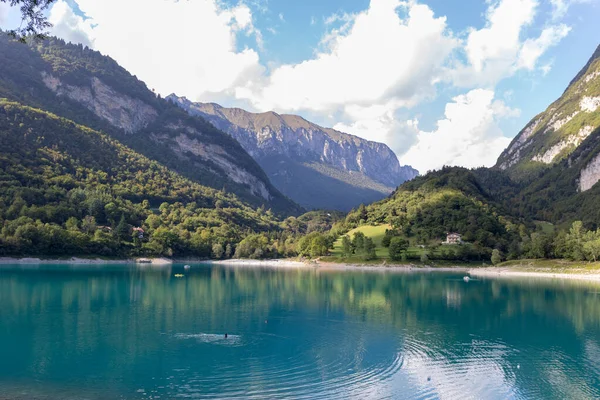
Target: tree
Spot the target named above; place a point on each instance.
(368, 250)
(122, 229)
(424, 257)
(32, 15)
(228, 251)
(358, 242)
(72, 224)
(217, 251)
(318, 246)
(496, 257)
(592, 249)
(575, 241)
(346, 246)
(88, 225)
(398, 247)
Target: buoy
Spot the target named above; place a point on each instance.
(518, 366)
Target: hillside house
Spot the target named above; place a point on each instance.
(139, 232)
(453, 238)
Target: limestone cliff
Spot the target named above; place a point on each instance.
(554, 134)
(305, 160)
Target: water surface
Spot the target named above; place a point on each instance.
(127, 332)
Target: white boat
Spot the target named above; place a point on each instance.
(186, 267)
(466, 279)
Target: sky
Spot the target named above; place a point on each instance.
(442, 82)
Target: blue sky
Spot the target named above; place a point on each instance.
(440, 81)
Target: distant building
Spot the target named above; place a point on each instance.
(453, 238)
(105, 228)
(139, 231)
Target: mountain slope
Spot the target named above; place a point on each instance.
(566, 191)
(67, 189)
(317, 167)
(453, 199)
(93, 90)
(555, 133)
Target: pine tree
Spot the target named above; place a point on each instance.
(122, 229)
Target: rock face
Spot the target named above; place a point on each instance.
(306, 161)
(590, 175)
(554, 134)
(118, 109)
(133, 115)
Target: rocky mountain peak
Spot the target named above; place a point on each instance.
(279, 141)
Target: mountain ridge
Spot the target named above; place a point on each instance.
(291, 148)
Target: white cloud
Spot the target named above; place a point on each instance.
(188, 47)
(402, 67)
(546, 68)
(499, 40)
(69, 26)
(468, 135)
(499, 50)
(492, 51)
(369, 67)
(560, 7)
(339, 17)
(281, 17)
(532, 49)
(380, 124)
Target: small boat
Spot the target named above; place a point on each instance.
(466, 279)
(186, 267)
(178, 275)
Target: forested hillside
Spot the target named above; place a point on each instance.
(425, 209)
(93, 90)
(66, 189)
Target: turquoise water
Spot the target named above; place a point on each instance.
(125, 332)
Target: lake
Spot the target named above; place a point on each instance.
(132, 332)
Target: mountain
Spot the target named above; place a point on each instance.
(90, 89)
(554, 134)
(453, 199)
(315, 166)
(66, 189)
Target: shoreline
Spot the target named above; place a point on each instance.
(508, 272)
(502, 271)
(84, 261)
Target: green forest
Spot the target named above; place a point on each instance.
(66, 189)
(69, 190)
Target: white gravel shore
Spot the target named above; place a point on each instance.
(507, 272)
